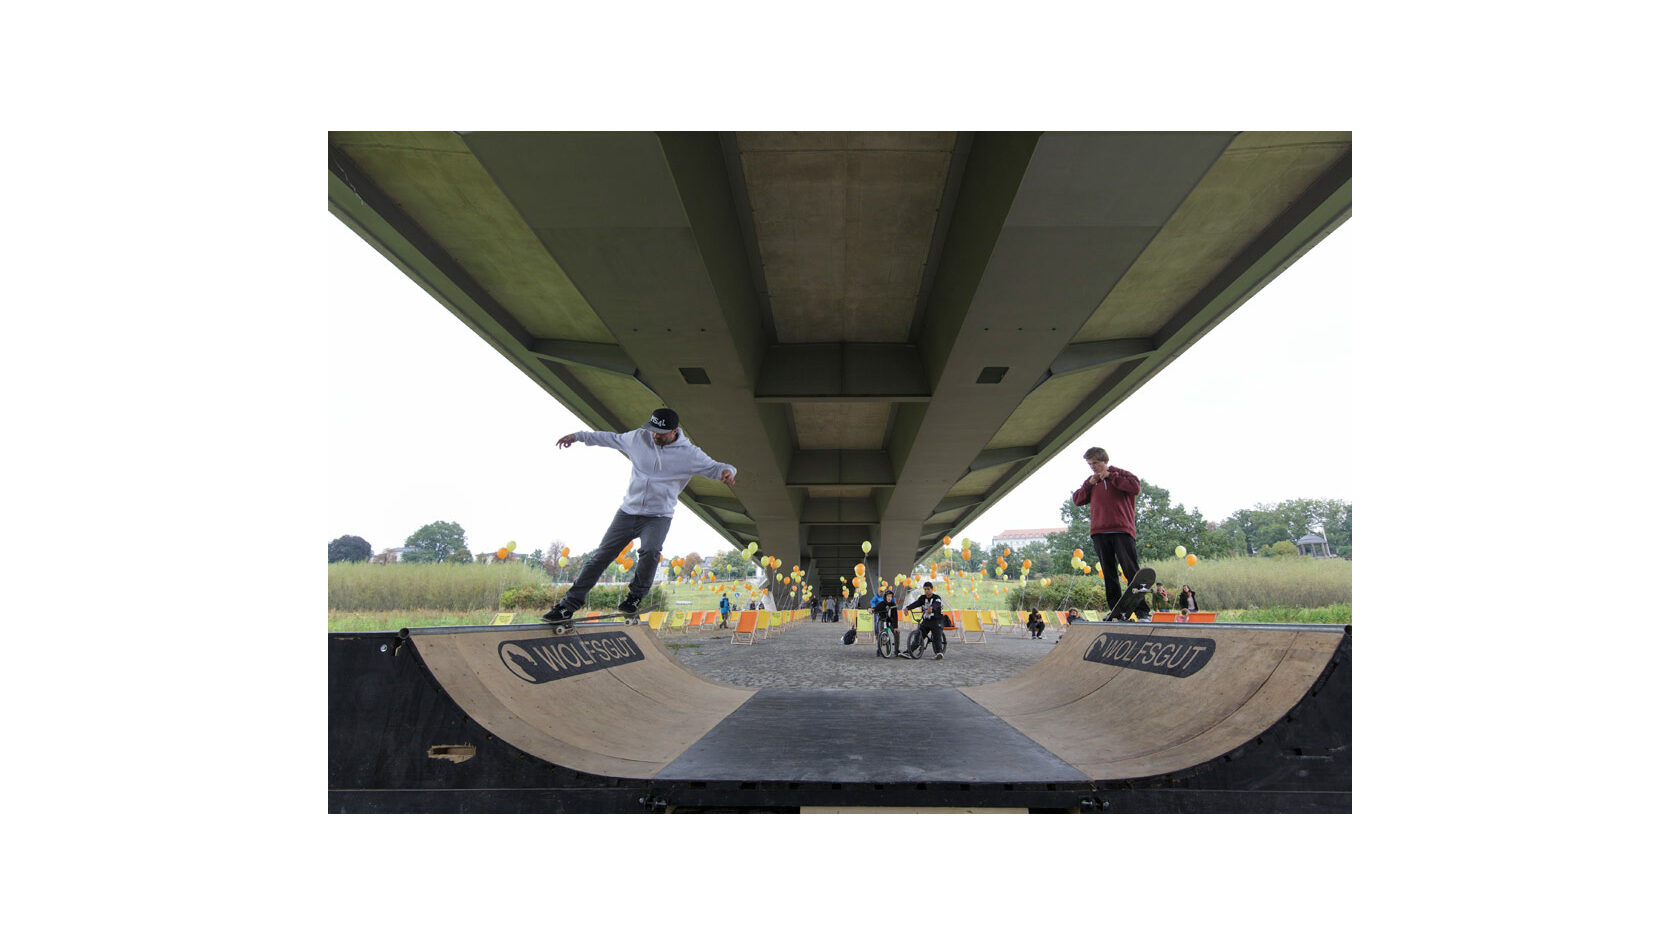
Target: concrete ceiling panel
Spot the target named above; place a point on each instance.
(1048, 403)
(841, 426)
(1243, 192)
(435, 179)
(840, 492)
(843, 234)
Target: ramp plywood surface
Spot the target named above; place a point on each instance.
(1113, 701)
(1116, 722)
(627, 720)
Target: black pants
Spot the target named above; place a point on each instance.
(1118, 553)
(651, 529)
(933, 629)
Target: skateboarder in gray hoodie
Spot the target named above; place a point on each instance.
(661, 461)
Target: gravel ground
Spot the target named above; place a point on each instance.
(809, 655)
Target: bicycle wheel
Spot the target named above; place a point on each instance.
(883, 643)
(918, 643)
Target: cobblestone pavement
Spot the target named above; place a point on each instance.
(809, 655)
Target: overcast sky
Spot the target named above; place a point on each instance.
(428, 423)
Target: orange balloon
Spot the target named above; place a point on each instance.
(1190, 560)
(1079, 553)
(965, 554)
(501, 554)
(947, 541)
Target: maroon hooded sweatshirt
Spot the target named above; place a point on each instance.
(1113, 502)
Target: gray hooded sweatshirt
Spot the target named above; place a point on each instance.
(658, 473)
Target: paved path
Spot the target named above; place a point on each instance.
(809, 655)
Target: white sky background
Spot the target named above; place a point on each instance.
(428, 423)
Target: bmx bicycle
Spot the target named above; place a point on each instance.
(883, 638)
(933, 623)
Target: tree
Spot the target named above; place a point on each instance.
(691, 564)
(551, 560)
(439, 541)
(731, 565)
(1060, 545)
(1271, 522)
(348, 548)
(1037, 552)
(1163, 526)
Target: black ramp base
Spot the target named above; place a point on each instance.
(878, 735)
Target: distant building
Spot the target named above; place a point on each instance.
(1313, 546)
(1017, 538)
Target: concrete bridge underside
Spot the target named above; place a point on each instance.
(885, 331)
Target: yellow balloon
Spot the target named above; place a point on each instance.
(1179, 551)
(866, 547)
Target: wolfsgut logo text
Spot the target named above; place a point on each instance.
(540, 661)
(1169, 656)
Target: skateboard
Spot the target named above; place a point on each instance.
(1136, 590)
(613, 619)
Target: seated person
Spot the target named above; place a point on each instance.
(886, 616)
(1035, 624)
(933, 622)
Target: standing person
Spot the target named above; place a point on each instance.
(661, 462)
(1112, 493)
(1187, 599)
(886, 615)
(723, 611)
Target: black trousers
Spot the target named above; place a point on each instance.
(651, 529)
(1118, 553)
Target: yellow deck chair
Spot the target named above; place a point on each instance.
(971, 624)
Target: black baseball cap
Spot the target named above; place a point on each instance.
(664, 420)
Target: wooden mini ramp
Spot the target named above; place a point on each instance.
(610, 702)
(519, 719)
(1133, 700)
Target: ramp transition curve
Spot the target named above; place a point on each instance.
(1155, 716)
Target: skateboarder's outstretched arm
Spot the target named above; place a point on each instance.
(593, 438)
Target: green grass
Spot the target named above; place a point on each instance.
(393, 620)
(1256, 585)
(1335, 614)
(363, 586)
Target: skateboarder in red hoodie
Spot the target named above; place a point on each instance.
(1112, 494)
